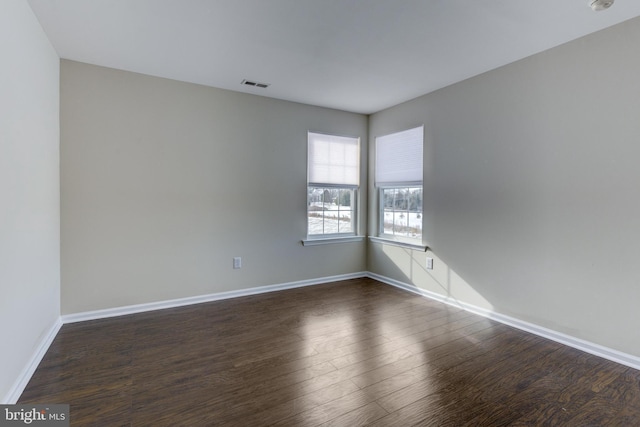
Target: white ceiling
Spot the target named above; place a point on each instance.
(354, 55)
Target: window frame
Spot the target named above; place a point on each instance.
(319, 238)
(353, 209)
(381, 211)
(380, 187)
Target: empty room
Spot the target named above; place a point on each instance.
(319, 212)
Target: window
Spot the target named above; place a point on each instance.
(332, 186)
(399, 183)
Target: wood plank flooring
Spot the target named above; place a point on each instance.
(349, 353)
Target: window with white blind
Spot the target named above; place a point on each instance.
(333, 165)
(398, 178)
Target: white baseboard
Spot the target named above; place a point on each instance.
(140, 308)
(580, 344)
(589, 347)
(26, 374)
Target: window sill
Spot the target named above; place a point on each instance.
(330, 240)
(384, 241)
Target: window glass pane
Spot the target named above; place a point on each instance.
(330, 210)
(402, 211)
(345, 210)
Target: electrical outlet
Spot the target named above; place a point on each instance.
(237, 262)
(429, 263)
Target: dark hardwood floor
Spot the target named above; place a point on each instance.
(349, 353)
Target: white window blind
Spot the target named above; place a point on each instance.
(333, 159)
(399, 157)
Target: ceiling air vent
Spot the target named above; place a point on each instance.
(255, 84)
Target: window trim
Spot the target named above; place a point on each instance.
(392, 242)
(331, 240)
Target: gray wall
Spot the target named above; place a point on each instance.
(163, 183)
(531, 189)
(29, 192)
